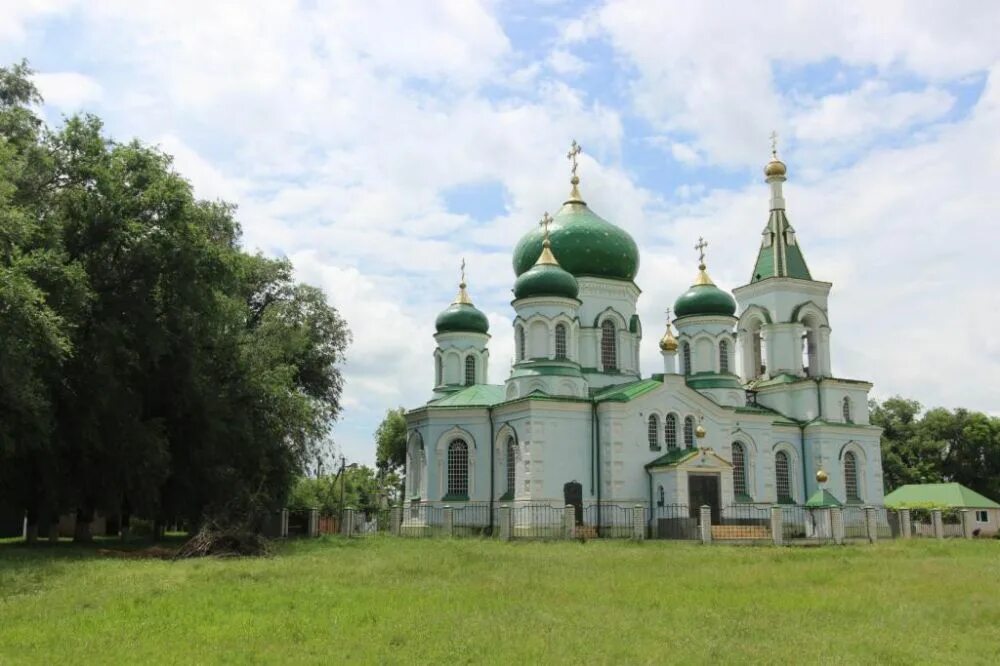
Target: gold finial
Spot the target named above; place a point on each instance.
(699, 432)
(775, 167)
(546, 257)
(574, 150)
(668, 342)
(702, 274)
(463, 296)
(821, 476)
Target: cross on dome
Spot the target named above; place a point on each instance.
(462, 281)
(574, 150)
(700, 247)
(774, 144)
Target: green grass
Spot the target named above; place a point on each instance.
(387, 600)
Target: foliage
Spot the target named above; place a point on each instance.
(390, 441)
(362, 487)
(386, 600)
(148, 364)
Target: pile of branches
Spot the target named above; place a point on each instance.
(234, 541)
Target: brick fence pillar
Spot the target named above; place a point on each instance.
(569, 522)
(283, 526)
(967, 523)
(505, 519)
(639, 523)
(314, 522)
(937, 524)
(395, 520)
(449, 521)
(348, 526)
(705, 523)
(837, 525)
(777, 526)
(905, 526)
(871, 524)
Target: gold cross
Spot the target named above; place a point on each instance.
(574, 150)
(774, 144)
(463, 270)
(545, 222)
(668, 316)
(701, 245)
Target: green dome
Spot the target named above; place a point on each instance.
(585, 244)
(704, 299)
(546, 280)
(462, 317)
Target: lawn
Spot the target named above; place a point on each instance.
(386, 600)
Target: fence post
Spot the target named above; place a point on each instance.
(937, 524)
(569, 522)
(449, 521)
(395, 520)
(313, 522)
(348, 523)
(283, 527)
(639, 523)
(777, 526)
(967, 523)
(905, 526)
(705, 523)
(871, 524)
(505, 517)
(837, 525)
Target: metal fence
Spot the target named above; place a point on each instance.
(805, 524)
(743, 522)
(609, 521)
(855, 525)
(674, 521)
(537, 521)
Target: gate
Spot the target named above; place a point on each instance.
(674, 521)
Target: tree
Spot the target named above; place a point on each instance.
(390, 441)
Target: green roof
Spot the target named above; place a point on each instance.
(477, 395)
(546, 280)
(462, 317)
(938, 494)
(626, 392)
(704, 299)
(822, 498)
(673, 457)
(707, 380)
(778, 257)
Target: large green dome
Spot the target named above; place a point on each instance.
(586, 245)
(704, 299)
(462, 318)
(546, 280)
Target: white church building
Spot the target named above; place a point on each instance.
(745, 410)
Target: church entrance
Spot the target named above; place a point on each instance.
(573, 495)
(703, 489)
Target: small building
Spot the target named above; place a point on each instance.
(986, 512)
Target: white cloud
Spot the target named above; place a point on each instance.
(68, 91)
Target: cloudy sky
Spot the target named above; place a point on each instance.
(376, 143)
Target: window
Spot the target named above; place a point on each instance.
(982, 517)
(439, 370)
(782, 480)
(689, 431)
(458, 469)
(661, 498)
(560, 341)
(810, 364)
(740, 472)
(609, 346)
(686, 357)
(670, 431)
(511, 460)
(653, 432)
(723, 356)
(851, 477)
(846, 408)
(413, 475)
(470, 370)
(520, 343)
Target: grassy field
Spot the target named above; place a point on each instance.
(468, 601)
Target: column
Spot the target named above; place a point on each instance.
(639, 523)
(705, 523)
(314, 522)
(837, 524)
(967, 523)
(905, 526)
(284, 523)
(777, 526)
(395, 520)
(505, 518)
(871, 524)
(569, 522)
(348, 526)
(449, 521)
(937, 524)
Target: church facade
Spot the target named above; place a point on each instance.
(745, 410)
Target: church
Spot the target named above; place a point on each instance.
(745, 410)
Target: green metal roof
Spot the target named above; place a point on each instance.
(822, 498)
(546, 280)
(779, 258)
(707, 380)
(626, 392)
(673, 457)
(462, 317)
(477, 395)
(938, 494)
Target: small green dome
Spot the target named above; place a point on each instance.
(586, 245)
(462, 317)
(546, 280)
(704, 299)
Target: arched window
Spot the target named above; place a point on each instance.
(782, 480)
(511, 461)
(470, 370)
(560, 341)
(661, 498)
(846, 409)
(686, 357)
(609, 346)
(439, 370)
(809, 353)
(723, 356)
(413, 475)
(670, 431)
(458, 469)
(519, 343)
(740, 472)
(851, 477)
(653, 432)
(689, 431)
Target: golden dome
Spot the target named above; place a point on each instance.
(668, 342)
(821, 476)
(699, 432)
(775, 168)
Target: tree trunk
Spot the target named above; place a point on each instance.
(31, 528)
(81, 532)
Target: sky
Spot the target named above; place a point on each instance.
(377, 143)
